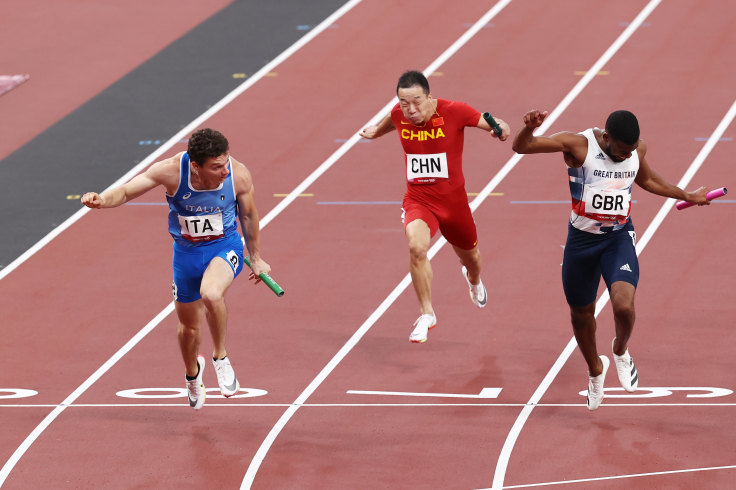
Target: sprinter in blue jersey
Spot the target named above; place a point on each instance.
(603, 165)
(208, 192)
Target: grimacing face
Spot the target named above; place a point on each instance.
(213, 171)
(416, 106)
(617, 150)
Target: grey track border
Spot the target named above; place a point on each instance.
(100, 141)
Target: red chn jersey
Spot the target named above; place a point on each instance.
(434, 151)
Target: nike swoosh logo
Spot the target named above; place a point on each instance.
(404, 122)
(233, 387)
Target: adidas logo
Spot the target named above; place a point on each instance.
(600, 156)
(625, 267)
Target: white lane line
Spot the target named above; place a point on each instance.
(484, 393)
(327, 405)
(276, 429)
(8, 466)
(187, 130)
(503, 459)
(18, 453)
(619, 477)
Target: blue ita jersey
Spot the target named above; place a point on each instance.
(601, 189)
(201, 217)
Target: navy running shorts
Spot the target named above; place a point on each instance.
(189, 264)
(588, 256)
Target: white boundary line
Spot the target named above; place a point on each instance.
(340, 355)
(619, 477)
(503, 460)
(327, 405)
(187, 130)
(15, 457)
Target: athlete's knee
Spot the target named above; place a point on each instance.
(624, 310)
(417, 251)
(622, 300)
(582, 316)
(188, 329)
(470, 258)
(211, 298)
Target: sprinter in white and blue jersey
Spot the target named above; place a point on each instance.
(602, 166)
(207, 190)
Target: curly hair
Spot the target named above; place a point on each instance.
(206, 143)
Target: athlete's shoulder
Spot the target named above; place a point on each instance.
(166, 169)
(460, 112)
(455, 105)
(641, 150)
(241, 177)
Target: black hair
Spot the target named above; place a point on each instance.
(206, 143)
(623, 126)
(412, 77)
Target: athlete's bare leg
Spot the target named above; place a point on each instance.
(624, 314)
(471, 260)
(215, 281)
(190, 317)
(418, 235)
(584, 326)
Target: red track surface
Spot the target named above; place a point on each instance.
(76, 302)
(75, 49)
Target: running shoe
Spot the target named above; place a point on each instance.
(627, 374)
(229, 384)
(421, 328)
(595, 386)
(195, 387)
(478, 294)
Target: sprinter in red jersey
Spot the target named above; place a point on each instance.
(431, 133)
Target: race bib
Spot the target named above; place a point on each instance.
(606, 205)
(201, 228)
(426, 168)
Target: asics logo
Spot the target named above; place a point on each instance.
(187, 195)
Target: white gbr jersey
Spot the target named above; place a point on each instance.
(601, 189)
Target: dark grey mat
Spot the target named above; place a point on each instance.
(99, 142)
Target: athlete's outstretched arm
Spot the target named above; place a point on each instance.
(373, 132)
(160, 173)
(651, 181)
(573, 145)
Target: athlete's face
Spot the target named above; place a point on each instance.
(617, 150)
(415, 104)
(214, 171)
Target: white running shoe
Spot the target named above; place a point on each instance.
(595, 386)
(229, 384)
(195, 388)
(478, 294)
(421, 328)
(627, 374)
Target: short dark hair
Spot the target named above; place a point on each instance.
(623, 126)
(412, 77)
(206, 143)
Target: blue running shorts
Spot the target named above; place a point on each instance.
(189, 264)
(588, 256)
